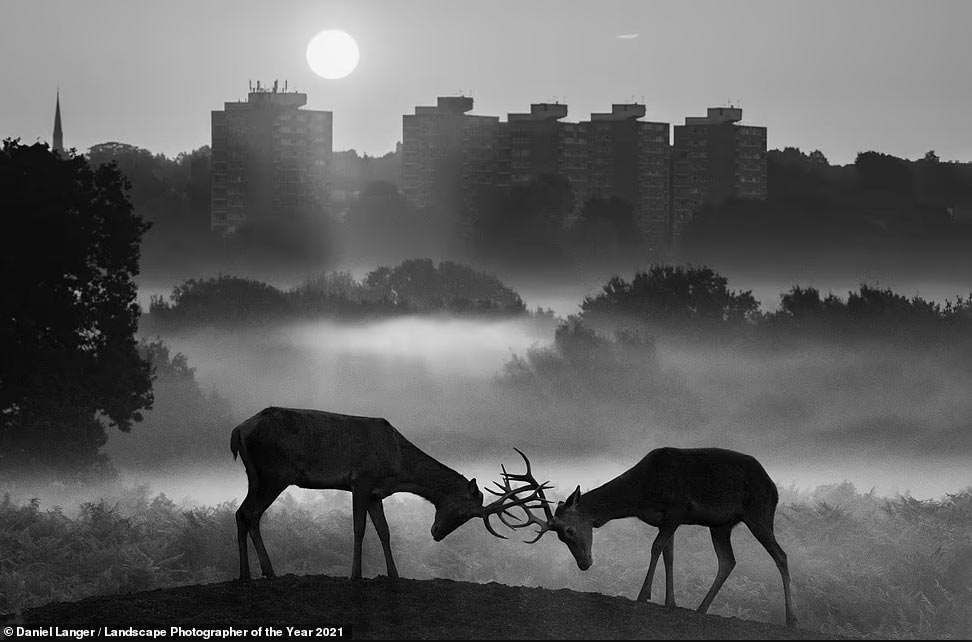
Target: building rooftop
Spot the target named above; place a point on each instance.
(716, 116)
(541, 111)
(624, 111)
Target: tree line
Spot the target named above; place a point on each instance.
(880, 209)
(416, 286)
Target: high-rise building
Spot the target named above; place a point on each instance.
(715, 158)
(629, 159)
(269, 158)
(575, 161)
(529, 145)
(447, 154)
(58, 141)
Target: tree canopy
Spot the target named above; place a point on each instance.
(675, 298)
(69, 313)
(606, 227)
(879, 209)
(524, 223)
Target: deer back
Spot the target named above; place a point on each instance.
(317, 449)
(700, 485)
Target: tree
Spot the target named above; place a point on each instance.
(673, 298)
(186, 424)
(524, 223)
(817, 157)
(172, 195)
(606, 226)
(884, 173)
(420, 285)
(68, 311)
(381, 221)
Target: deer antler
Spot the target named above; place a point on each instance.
(501, 507)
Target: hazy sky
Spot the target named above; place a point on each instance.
(839, 76)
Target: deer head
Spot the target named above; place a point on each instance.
(456, 508)
(575, 529)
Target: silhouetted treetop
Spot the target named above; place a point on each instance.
(523, 223)
(880, 208)
(884, 173)
(606, 227)
(416, 285)
(423, 286)
(674, 297)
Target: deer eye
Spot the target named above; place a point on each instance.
(570, 531)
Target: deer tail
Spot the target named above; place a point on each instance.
(235, 442)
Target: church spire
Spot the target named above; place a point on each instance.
(58, 135)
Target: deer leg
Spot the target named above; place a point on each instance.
(360, 500)
(669, 555)
(377, 513)
(721, 541)
(242, 528)
(264, 496)
(763, 531)
(665, 533)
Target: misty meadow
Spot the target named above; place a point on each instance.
(835, 394)
(492, 271)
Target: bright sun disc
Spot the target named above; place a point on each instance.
(332, 54)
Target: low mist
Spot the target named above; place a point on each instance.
(467, 390)
(896, 422)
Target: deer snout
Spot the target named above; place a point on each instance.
(436, 533)
(585, 563)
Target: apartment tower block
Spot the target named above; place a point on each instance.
(629, 159)
(715, 158)
(270, 159)
(447, 154)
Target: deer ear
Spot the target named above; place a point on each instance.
(472, 486)
(574, 496)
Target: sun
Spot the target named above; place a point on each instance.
(332, 54)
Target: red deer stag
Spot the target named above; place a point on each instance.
(281, 447)
(670, 487)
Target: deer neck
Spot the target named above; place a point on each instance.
(427, 477)
(608, 502)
